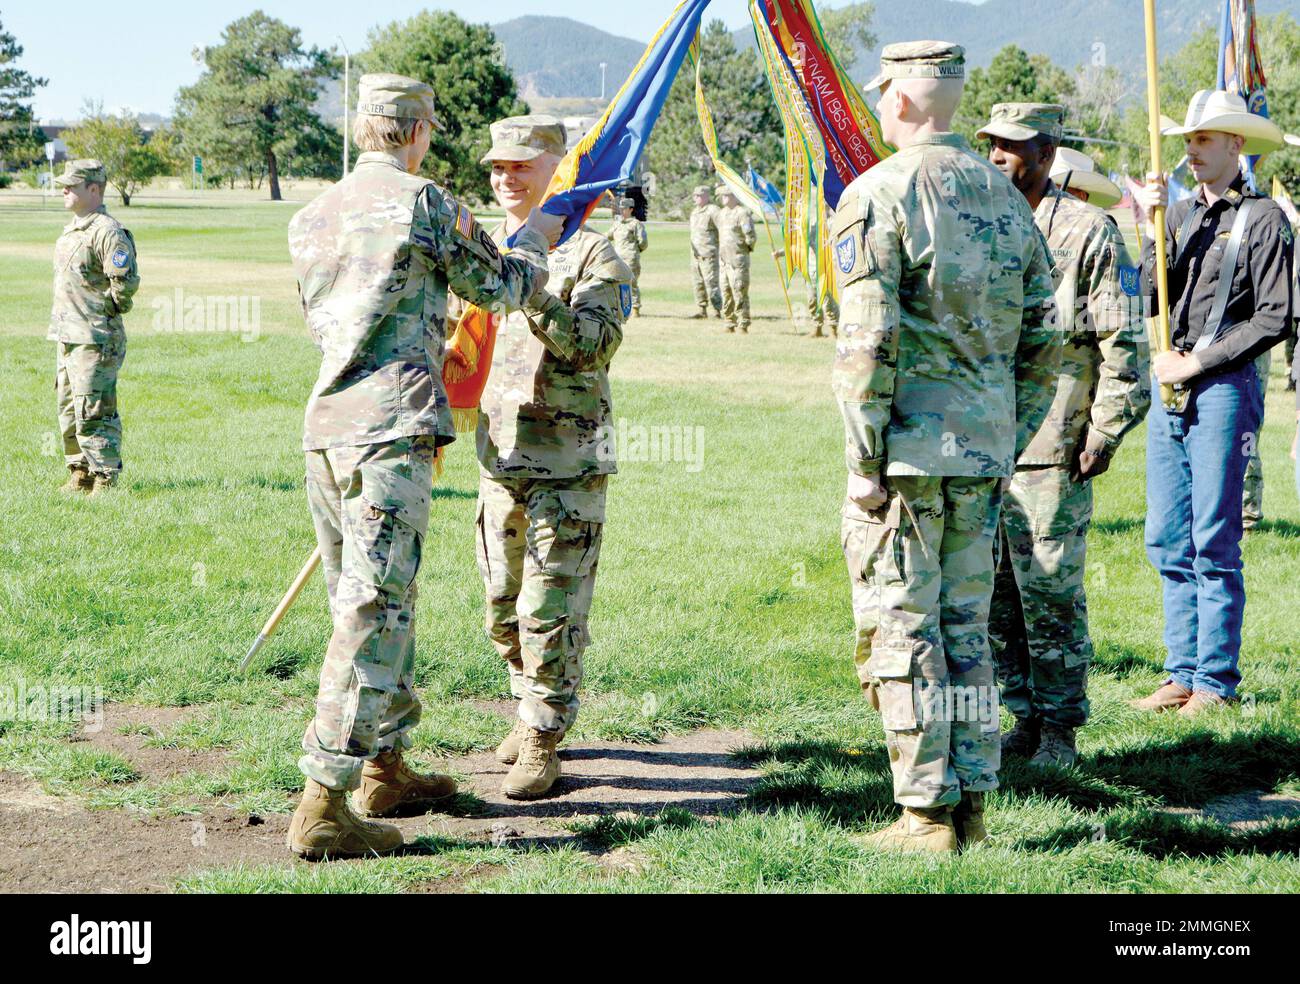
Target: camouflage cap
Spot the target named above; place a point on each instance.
(702, 190)
(1024, 121)
(75, 172)
(626, 203)
(920, 60)
(721, 190)
(385, 94)
(521, 138)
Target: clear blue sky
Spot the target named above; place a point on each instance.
(137, 54)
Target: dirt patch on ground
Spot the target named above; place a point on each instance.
(129, 730)
(1245, 811)
(54, 844)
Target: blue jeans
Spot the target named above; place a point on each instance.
(1196, 465)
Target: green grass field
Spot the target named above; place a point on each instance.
(723, 602)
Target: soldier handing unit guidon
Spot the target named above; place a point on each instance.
(374, 257)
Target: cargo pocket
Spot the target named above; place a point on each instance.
(373, 689)
(891, 690)
(394, 519)
(576, 543)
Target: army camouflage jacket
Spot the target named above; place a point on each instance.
(95, 279)
(736, 236)
(947, 352)
(375, 256)
(1103, 390)
(704, 231)
(547, 411)
(629, 238)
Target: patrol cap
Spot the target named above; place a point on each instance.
(920, 60)
(1024, 121)
(721, 190)
(522, 138)
(626, 203)
(702, 190)
(385, 94)
(87, 169)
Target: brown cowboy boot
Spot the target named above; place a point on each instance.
(388, 788)
(324, 826)
(968, 820)
(1200, 702)
(79, 480)
(1169, 697)
(928, 830)
(537, 768)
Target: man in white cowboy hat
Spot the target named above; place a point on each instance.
(1039, 622)
(1196, 459)
(1076, 173)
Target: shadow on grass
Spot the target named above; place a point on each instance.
(1162, 835)
(1118, 525)
(845, 785)
(1123, 661)
(1277, 527)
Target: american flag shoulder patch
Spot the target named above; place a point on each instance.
(464, 222)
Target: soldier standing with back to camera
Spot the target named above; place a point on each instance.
(374, 257)
(944, 370)
(1039, 623)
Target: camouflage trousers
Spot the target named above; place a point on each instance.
(538, 547)
(704, 275)
(634, 264)
(1039, 626)
(86, 384)
(822, 314)
(735, 292)
(922, 573)
(1252, 494)
(370, 506)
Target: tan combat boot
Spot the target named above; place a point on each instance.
(324, 826)
(537, 767)
(929, 830)
(968, 820)
(1056, 747)
(1022, 740)
(388, 788)
(508, 751)
(103, 483)
(79, 480)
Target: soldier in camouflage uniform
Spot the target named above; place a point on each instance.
(545, 457)
(629, 238)
(943, 371)
(736, 240)
(1252, 492)
(95, 279)
(704, 254)
(374, 257)
(1039, 627)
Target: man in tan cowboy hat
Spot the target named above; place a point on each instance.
(1039, 625)
(374, 257)
(545, 453)
(1230, 254)
(95, 279)
(1077, 174)
(944, 370)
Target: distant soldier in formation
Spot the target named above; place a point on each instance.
(704, 254)
(1039, 625)
(736, 240)
(374, 257)
(945, 369)
(545, 451)
(95, 279)
(629, 238)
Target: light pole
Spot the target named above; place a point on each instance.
(347, 70)
(602, 81)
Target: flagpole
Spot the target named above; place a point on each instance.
(1168, 396)
(785, 289)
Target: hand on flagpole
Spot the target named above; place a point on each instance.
(550, 226)
(1175, 368)
(1152, 195)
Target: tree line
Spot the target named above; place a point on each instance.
(259, 110)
